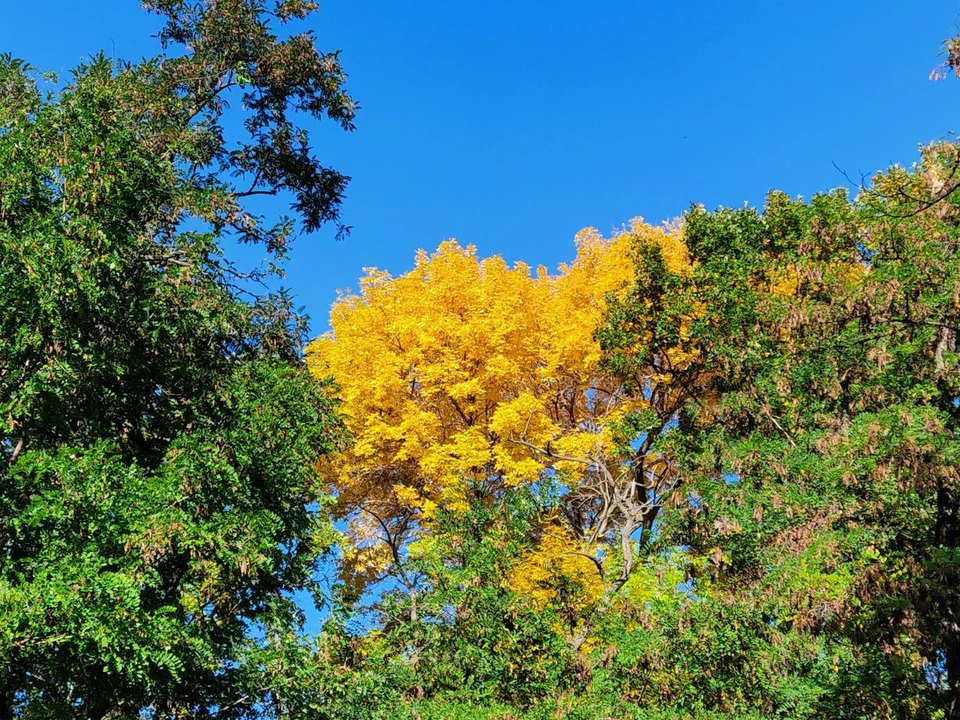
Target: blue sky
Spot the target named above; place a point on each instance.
(511, 125)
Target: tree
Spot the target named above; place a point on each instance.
(158, 503)
(822, 481)
(465, 377)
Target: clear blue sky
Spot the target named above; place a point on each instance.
(511, 125)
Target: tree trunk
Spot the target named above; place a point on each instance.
(953, 680)
(948, 535)
(6, 705)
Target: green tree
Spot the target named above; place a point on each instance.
(462, 643)
(820, 465)
(158, 501)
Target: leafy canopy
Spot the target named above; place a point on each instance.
(466, 377)
(158, 503)
(822, 481)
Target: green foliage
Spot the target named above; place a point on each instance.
(474, 638)
(820, 464)
(806, 565)
(158, 501)
(793, 374)
(461, 645)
